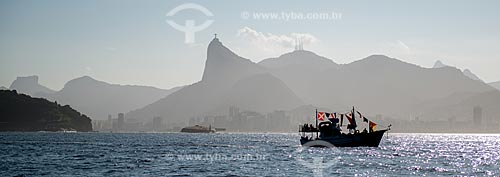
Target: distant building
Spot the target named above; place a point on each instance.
(119, 123)
(220, 121)
(478, 115)
(234, 112)
(109, 123)
(158, 124)
(121, 120)
(277, 121)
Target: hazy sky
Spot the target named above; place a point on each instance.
(129, 42)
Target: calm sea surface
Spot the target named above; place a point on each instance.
(178, 154)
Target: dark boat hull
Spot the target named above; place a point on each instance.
(197, 129)
(353, 140)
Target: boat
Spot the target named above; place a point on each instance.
(198, 129)
(220, 129)
(70, 130)
(329, 130)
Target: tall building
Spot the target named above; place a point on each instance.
(158, 124)
(233, 112)
(277, 121)
(478, 115)
(120, 123)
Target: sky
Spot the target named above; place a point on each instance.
(130, 42)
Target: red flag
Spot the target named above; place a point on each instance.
(321, 116)
(349, 117)
(373, 126)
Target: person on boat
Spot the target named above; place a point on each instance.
(365, 131)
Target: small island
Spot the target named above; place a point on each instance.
(20, 112)
(197, 129)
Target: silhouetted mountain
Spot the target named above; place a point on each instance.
(261, 92)
(299, 67)
(299, 59)
(471, 75)
(227, 80)
(98, 99)
(466, 72)
(377, 85)
(224, 67)
(19, 112)
(495, 85)
(29, 85)
(460, 106)
(439, 64)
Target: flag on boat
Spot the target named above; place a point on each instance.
(360, 116)
(351, 121)
(373, 126)
(333, 118)
(326, 115)
(365, 119)
(341, 119)
(321, 116)
(331, 115)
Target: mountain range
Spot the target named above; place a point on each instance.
(466, 72)
(97, 99)
(228, 80)
(29, 85)
(376, 84)
(294, 82)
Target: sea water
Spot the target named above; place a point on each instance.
(226, 154)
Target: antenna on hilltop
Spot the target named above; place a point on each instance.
(215, 35)
(298, 44)
(301, 46)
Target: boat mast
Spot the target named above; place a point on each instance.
(354, 118)
(316, 118)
